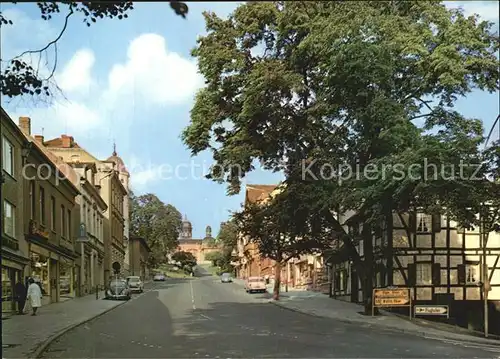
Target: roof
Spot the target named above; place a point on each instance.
(258, 192)
(62, 166)
(58, 143)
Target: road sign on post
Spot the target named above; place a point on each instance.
(432, 310)
(116, 267)
(390, 298)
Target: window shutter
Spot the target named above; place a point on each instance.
(436, 223)
(412, 275)
(436, 274)
(412, 219)
(461, 274)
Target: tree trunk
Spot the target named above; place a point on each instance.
(277, 280)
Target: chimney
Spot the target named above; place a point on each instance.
(67, 141)
(25, 125)
(39, 138)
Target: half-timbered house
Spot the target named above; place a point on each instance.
(439, 261)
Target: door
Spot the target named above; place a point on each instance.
(354, 286)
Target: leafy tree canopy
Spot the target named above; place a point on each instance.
(157, 222)
(329, 92)
(19, 77)
(186, 259)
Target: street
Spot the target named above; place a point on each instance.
(203, 318)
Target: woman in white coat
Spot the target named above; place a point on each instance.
(34, 295)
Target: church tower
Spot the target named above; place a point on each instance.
(186, 229)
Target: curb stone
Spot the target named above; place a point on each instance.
(423, 334)
(37, 353)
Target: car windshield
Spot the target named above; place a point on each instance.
(225, 275)
(253, 280)
(118, 283)
(134, 279)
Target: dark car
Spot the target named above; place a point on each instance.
(118, 290)
(226, 278)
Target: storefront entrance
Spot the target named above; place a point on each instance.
(10, 276)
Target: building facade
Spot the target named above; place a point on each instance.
(92, 208)
(250, 262)
(139, 255)
(439, 261)
(15, 258)
(50, 224)
(198, 247)
(111, 181)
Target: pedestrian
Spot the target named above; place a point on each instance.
(34, 295)
(20, 295)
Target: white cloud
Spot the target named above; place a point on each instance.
(156, 74)
(487, 10)
(76, 75)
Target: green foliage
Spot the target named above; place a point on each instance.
(18, 77)
(157, 222)
(298, 85)
(186, 259)
(215, 257)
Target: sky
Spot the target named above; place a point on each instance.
(132, 82)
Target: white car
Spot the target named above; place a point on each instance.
(159, 278)
(135, 284)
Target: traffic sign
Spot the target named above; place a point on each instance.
(391, 297)
(116, 266)
(435, 310)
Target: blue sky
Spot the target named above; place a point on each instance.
(132, 81)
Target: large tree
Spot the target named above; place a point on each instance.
(299, 85)
(21, 77)
(157, 222)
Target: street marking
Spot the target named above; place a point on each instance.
(192, 294)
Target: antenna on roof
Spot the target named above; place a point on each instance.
(42, 130)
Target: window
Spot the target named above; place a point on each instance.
(32, 200)
(424, 223)
(7, 156)
(469, 273)
(9, 219)
(341, 280)
(42, 205)
(69, 224)
(423, 275)
(53, 213)
(63, 221)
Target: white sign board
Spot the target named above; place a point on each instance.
(434, 310)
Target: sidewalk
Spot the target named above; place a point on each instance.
(23, 335)
(320, 305)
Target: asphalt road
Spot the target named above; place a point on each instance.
(203, 318)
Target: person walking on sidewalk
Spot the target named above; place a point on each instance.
(34, 295)
(20, 293)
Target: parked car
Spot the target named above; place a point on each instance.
(226, 278)
(255, 284)
(135, 284)
(159, 277)
(118, 290)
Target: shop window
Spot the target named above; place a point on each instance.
(53, 213)
(66, 279)
(7, 156)
(341, 280)
(42, 205)
(9, 223)
(40, 272)
(7, 290)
